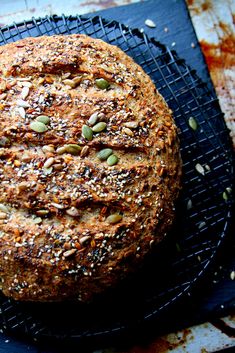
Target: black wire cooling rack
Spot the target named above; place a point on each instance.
(203, 212)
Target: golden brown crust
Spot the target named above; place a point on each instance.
(57, 240)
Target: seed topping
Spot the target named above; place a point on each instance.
(38, 126)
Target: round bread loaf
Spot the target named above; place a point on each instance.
(89, 167)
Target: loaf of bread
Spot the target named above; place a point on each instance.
(89, 167)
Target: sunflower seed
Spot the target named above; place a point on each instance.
(84, 239)
(3, 86)
(66, 75)
(23, 79)
(37, 220)
(102, 83)
(37, 126)
(77, 80)
(99, 127)
(87, 132)
(189, 204)
(201, 224)
(3, 208)
(69, 83)
(69, 253)
(22, 112)
(4, 141)
(26, 84)
(84, 151)
(131, 124)
(127, 131)
(57, 205)
(192, 123)
(47, 171)
(48, 148)
(114, 218)
(3, 215)
(43, 119)
(42, 212)
(24, 92)
(112, 160)
(150, 23)
(26, 158)
(73, 212)
(104, 154)
(49, 162)
(3, 96)
(22, 103)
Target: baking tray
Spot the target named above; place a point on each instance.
(203, 211)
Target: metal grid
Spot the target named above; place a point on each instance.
(204, 209)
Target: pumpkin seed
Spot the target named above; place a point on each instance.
(232, 275)
(99, 127)
(225, 196)
(112, 160)
(229, 190)
(43, 119)
(131, 124)
(102, 83)
(178, 248)
(38, 126)
(199, 168)
(73, 149)
(3, 208)
(61, 150)
(150, 23)
(49, 162)
(104, 154)
(73, 212)
(114, 218)
(192, 123)
(4, 141)
(87, 132)
(93, 119)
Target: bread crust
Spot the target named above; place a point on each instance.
(57, 240)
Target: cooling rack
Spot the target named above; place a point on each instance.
(203, 211)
